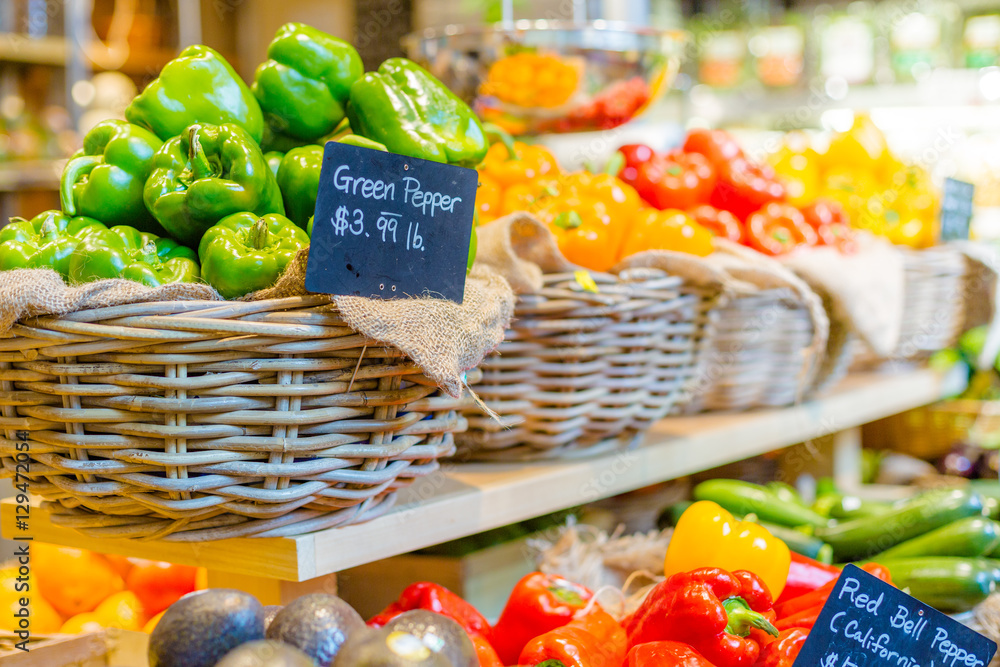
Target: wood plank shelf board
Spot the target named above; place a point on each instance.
(464, 499)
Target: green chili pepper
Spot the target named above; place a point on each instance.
(409, 111)
(198, 86)
(104, 179)
(207, 173)
(125, 252)
(244, 253)
(305, 82)
(44, 242)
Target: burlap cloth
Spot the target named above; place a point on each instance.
(864, 288)
(442, 337)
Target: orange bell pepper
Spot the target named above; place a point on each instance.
(488, 198)
(510, 162)
(594, 639)
(588, 213)
(708, 536)
(532, 80)
(669, 229)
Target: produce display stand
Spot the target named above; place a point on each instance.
(466, 499)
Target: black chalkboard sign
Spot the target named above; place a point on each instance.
(868, 623)
(388, 225)
(956, 209)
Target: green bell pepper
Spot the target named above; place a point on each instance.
(305, 82)
(104, 179)
(298, 179)
(44, 242)
(125, 252)
(244, 253)
(298, 176)
(198, 86)
(273, 159)
(207, 173)
(404, 107)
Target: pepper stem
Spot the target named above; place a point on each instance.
(48, 229)
(259, 235)
(501, 135)
(73, 173)
(615, 163)
(200, 166)
(550, 663)
(568, 220)
(742, 618)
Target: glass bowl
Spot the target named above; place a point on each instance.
(537, 77)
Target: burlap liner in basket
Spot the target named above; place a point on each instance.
(771, 340)
(582, 371)
(933, 303)
(168, 413)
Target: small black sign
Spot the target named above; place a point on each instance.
(388, 225)
(868, 623)
(956, 209)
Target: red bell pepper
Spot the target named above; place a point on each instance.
(436, 598)
(778, 229)
(824, 212)
(815, 600)
(805, 575)
(721, 223)
(674, 180)
(539, 603)
(665, 654)
(717, 145)
(741, 186)
(783, 650)
(803, 619)
(744, 187)
(831, 224)
(594, 639)
(710, 609)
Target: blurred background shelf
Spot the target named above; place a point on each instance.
(18, 48)
(30, 175)
(465, 499)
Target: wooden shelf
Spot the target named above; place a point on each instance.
(470, 498)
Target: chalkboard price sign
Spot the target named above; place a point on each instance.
(868, 623)
(388, 225)
(956, 209)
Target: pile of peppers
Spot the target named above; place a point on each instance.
(713, 181)
(213, 180)
(597, 218)
(733, 595)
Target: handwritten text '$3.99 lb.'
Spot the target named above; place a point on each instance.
(344, 222)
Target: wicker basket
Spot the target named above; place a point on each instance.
(771, 348)
(194, 420)
(931, 431)
(934, 304)
(582, 372)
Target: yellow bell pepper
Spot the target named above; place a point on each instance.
(708, 536)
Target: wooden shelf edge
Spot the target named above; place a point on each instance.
(464, 499)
